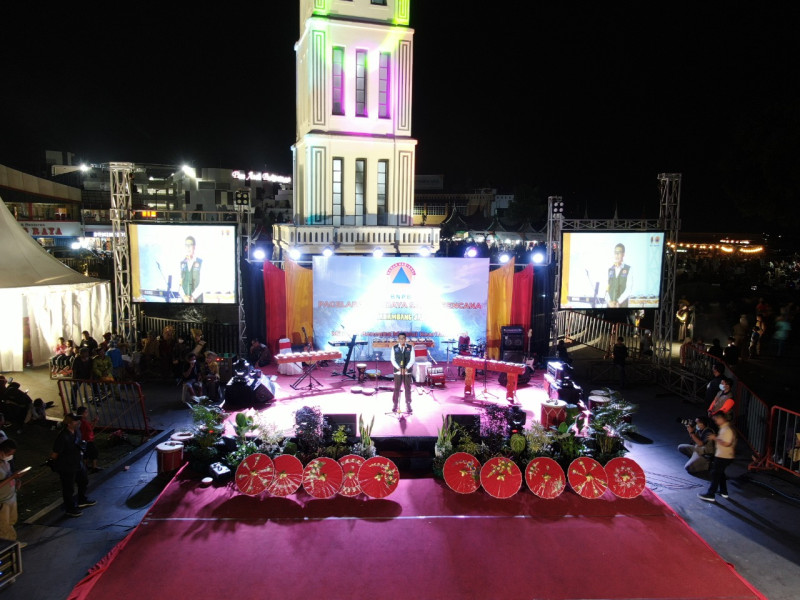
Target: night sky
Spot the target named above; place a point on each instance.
(586, 101)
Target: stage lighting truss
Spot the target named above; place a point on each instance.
(558, 207)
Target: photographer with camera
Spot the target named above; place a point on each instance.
(701, 450)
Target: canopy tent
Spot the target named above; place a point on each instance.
(42, 299)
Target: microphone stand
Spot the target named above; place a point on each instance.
(485, 393)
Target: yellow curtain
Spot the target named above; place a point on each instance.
(498, 314)
(299, 303)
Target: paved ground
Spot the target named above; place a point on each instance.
(756, 530)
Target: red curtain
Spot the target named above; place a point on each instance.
(522, 298)
(275, 304)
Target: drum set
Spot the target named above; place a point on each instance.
(465, 348)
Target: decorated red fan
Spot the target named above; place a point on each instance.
(462, 472)
(350, 465)
(378, 477)
(254, 474)
(501, 477)
(322, 477)
(587, 477)
(625, 477)
(288, 475)
(545, 477)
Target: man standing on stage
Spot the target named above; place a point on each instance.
(620, 281)
(402, 360)
(190, 273)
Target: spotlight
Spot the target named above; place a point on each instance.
(471, 251)
(424, 251)
(504, 258)
(294, 254)
(75, 245)
(377, 253)
(259, 254)
(537, 257)
(328, 251)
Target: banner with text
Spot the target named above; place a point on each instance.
(430, 299)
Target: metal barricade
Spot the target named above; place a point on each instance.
(117, 405)
(783, 443)
(752, 418)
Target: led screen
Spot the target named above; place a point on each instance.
(183, 263)
(611, 269)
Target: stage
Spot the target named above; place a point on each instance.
(335, 396)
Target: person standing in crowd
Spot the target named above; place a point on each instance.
(67, 460)
(741, 337)
(701, 449)
(715, 349)
(780, 335)
(723, 401)
(620, 281)
(731, 353)
(755, 337)
(106, 343)
(724, 453)
(191, 378)
(402, 357)
(712, 387)
(620, 354)
(90, 454)
(9, 484)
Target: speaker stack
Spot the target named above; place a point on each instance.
(512, 343)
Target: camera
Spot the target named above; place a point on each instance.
(685, 422)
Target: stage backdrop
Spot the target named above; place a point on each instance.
(431, 299)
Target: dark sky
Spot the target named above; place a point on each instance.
(586, 101)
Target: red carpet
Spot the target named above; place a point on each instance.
(423, 541)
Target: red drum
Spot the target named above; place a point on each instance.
(170, 456)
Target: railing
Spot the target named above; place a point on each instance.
(783, 443)
(222, 338)
(598, 333)
(117, 405)
(688, 379)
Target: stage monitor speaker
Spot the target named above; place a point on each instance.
(348, 420)
(472, 423)
(514, 356)
(512, 337)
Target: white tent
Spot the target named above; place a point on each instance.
(41, 294)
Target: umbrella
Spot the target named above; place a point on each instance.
(254, 474)
(501, 477)
(545, 477)
(322, 477)
(462, 472)
(288, 475)
(587, 477)
(625, 477)
(350, 465)
(378, 477)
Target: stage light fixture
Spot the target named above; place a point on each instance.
(424, 251)
(327, 251)
(294, 254)
(471, 251)
(377, 253)
(558, 207)
(504, 258)
(537, 257)
(259, 254)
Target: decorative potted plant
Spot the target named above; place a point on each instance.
(201, 449)
(608, 426)
(309, 432)
(365, 448)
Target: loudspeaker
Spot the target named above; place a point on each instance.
(513, 356)
(512, 338)
(472, 423)
(348, 420)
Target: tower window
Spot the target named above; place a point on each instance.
(361, 83)
(361, 189)
(384, 97)
(378, 2)
(337, 82)
(338, 184)
(383, 190)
